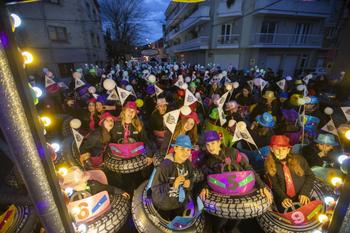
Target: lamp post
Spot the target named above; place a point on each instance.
(21, 128)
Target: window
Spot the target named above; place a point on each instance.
(225, 33)
(302, 33)
(58, 33)
(268, 30)
(92, 37)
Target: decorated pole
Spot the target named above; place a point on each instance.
(20, 124)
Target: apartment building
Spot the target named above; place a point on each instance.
(62, 35)
(285, 35)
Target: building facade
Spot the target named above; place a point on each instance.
(285, 35)
(62, 35)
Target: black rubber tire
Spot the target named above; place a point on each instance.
(125, 166)
(270, 223)
(198, 175)
(25, 220)
(70, 152)
(66, 129)
(114, 219)
(236, 207)
(147, 219)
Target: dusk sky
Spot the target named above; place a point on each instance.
(155, 18)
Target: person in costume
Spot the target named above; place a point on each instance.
(156, 121)
(269, 104)
(90, 119)
(322, 152)
(221, 159)
(94, 145)
(262, 129)
(172, 183)
(290, 175)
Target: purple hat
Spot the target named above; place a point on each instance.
(150, 90)
(102, 99)
(83, 90)
(211, 135)
(290, 115)
(124, 82)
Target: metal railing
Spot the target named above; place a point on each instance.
(232, 39)
(197, 43)
(289, 40)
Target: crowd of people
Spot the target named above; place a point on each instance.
(279, 113)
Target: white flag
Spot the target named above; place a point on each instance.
(48, 81)
(330, 128)
(78, 83)
(180, 81)
(346, 111)
(123, 94)
(281, 84)
(189, 98)
(307, 78)
(243, 134)
(222, 116)
(263, 84)
(77, 137)
(251, 84)
(199, 98)
(95, 96)
(170, 119)
(158, 90)
(222, 99)
(113, 95)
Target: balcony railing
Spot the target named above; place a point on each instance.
(228, 40)
(287, 40)
(194, 44)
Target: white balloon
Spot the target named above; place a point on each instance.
(77, 75)
(185, 110)
(109, 84)
(176, 67)
(301, 87)
(188, 79)
(328, 110)
(184, 86)
(151, 78)
(128, 87)
(231, 123)
(75, 123)
(92, 90)
(241, 125)
(235, 85)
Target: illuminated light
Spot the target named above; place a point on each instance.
(322, 218)
(63, 171)
(347, 134)
(341, 158)
(69, 191)
(28, 57)
(329, 200)
(75, 210)
(46, 121)
(82, 228)
(317, 231)
(56, 147)
(16, 20)
(336, 181)
(38, 92)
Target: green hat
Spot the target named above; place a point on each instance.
(214, 114)
(193, 84)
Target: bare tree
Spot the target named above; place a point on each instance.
(124, 23)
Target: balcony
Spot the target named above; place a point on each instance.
(176, 14)
(271, 40)
(195, 44)
(228, 41)
(234, 10)
(320, 8)
(200, 15)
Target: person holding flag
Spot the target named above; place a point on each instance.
(290, 175)
(94, 145)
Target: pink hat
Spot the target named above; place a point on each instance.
(104, 116)
(192, 115)
(131, 105)
(231, 105)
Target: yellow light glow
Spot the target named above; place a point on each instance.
(322, 218)
(63, 171)
(28, 57)
(46, 121)
(336, 181)
(347, 134)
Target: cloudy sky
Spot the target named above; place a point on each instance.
(155, 17)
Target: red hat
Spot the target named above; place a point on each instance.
(192, 115)
(92, 100)
(279, 140)
(131, 105)
(180, 92)
(104, 116)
